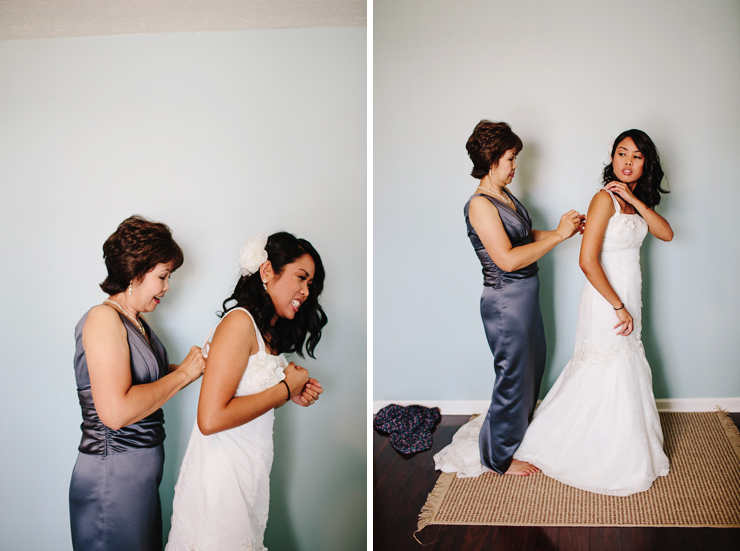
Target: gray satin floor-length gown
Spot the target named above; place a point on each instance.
(512, 320)
(114, 493)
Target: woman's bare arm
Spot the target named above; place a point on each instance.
(118, 401)
(233, 343)
(600, 211)
(486, 221)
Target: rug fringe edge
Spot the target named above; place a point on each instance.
(733, 435)
(434, 501)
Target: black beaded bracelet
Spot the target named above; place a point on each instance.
(286, 386)
(620, 307)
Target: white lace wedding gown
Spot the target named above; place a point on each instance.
(598, 428)
(223, 490)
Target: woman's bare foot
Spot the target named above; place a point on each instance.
(521, 468)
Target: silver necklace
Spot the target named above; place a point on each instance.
(502, 197)
(136, 322)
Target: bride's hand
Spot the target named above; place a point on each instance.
(310, 393)
(296, 377)
(626, 324)
(623, 190)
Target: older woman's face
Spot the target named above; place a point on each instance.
(148, 292)
(502, 174)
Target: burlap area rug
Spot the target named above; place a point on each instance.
(702, 489)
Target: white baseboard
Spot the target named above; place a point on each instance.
(469, 407)
(698, 404)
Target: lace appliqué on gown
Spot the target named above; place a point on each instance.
(599, 355)
(266, 372)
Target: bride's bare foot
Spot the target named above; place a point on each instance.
(521, 468)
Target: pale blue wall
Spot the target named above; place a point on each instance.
(219, 135)
(569, 76)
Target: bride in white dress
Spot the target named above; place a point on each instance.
(598, 428)
(222, 492)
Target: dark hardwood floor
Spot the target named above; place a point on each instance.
(401, 486)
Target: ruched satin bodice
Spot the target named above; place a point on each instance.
(148, 364)
(518, 226)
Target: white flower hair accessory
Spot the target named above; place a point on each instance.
(253, 254)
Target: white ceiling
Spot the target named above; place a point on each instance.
(23, 19)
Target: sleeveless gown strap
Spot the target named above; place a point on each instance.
(614, 200)
(207, 342)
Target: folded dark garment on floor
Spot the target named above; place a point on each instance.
(409, 428)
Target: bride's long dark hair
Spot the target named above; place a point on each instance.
(648, 187)
(305, 328)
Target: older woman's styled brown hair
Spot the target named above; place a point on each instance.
(488, 143)
(134, 249)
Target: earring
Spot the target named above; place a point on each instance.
(130, 289)
(264, 285)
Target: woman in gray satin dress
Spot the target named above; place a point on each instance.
(500, 229)
(123, 379)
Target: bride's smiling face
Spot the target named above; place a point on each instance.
(290, 288)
